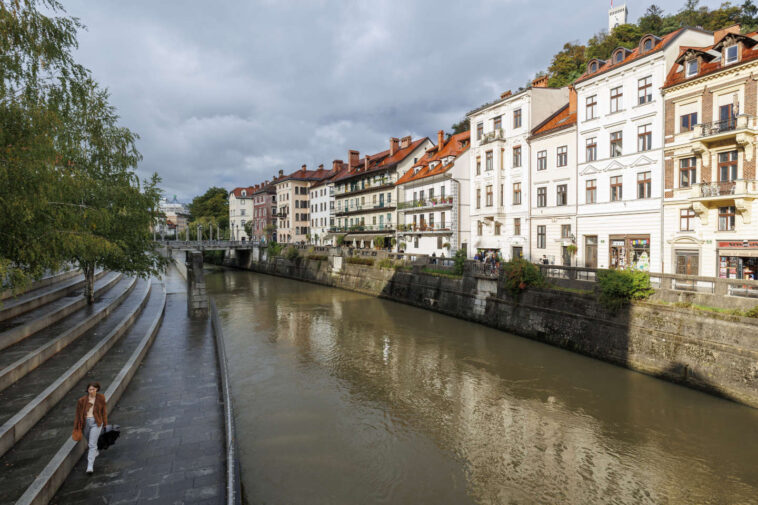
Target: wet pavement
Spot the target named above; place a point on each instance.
(171, 448)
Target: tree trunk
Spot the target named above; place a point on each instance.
(89, 283)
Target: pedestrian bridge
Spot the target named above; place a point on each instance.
(208, 245)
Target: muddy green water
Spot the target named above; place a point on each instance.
(342, 398)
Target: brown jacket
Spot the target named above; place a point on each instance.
(80, 420)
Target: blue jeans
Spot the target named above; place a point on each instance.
(91, 434)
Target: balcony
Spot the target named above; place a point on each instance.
(365, 228)
(492, 136)
(383, 183)
(739, 193)
(425, 228)
(442, 201)
(362, 208)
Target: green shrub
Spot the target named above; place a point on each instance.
(459, 260)
(752, 312)
(619, 287)
(291, 253)
(273, 249)
(318, 257)
(441, 272)
(340, 240)
(378, 242)
(386, 263)
(359, 261)
(519, 274)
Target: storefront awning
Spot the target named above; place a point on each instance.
(740, 252)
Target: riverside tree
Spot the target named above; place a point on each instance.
(68, 192)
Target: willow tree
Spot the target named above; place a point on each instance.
(104, 213)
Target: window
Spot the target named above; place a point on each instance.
(497, 123)
(562, 156)
(728, 166)
(687, 122)
(616, 188)
(619, 56)
(565, 231)
(497, 228)
(617, 140)
(488, 201)
(591, 148)
(591, 191)
(591, 107)
(644, 138)
(686, 219)
(541, 236)
(488, 161)
(502, 195)
(478, 166)
(479, 131)
(617, 95)
(647, 45)
(691, 67)
(516, 157)
(479, 228)
(442, 219)
(561, 195)
(645, 90)
(517, 226)
(726, 218)
(644, 185)
(431, 220)
(593, 67)
(478, 198)
(542, 197)
(516, 193)
(731, 54)
(687, 172)
(517, 118)
(542, 160)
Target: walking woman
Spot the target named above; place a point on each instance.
(91, 418)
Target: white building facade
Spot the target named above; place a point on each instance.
(553, 187)
(620, 157)
(240, 212)
(433, 200)
(499, 167)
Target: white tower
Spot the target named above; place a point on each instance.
(617, 16)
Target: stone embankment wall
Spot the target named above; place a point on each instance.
(712, 352)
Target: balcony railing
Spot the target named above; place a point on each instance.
(741, 122)
(429, 202)
(492, 136)
(724, 189)
(356, 228)
(422, 228)
(384, 182)
(708, 189)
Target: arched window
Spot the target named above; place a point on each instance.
(593, 67)
(619, 56)
(647, 45)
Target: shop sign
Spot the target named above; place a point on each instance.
(733, 244)
(617, 243)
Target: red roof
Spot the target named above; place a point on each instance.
(677, 75)
(558, 121)
(330, 176)
(630, 56)
(379, 161)
(304, 175)
(238, 192)
(454, 146)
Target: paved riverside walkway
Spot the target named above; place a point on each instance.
(171, 448)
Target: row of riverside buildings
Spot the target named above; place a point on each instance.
(647, 161)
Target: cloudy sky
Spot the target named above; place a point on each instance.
(227, 93)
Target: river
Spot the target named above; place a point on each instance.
(343, 398)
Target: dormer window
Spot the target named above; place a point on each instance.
(691, 67)
(647, 45)
(730, 55)
(618, 56)
(593, 67)
(244, 193)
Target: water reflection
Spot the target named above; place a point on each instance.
(343, 398)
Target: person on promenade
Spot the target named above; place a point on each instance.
(91, 418)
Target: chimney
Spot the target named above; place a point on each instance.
(365, 163)
(394, 145)
(405, 142)
(336, 165)
(321, 166)
(281, 173)
(352, 159)
(440, 140)
(506, 94)
(572, 100)
(303, 168)
(540, 82)
(719, 34)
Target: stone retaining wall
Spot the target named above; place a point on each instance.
(712, 352)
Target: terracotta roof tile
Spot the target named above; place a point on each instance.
(379, 161)
(677, 75)
(454, 146)
(238, 191)
(559, 120)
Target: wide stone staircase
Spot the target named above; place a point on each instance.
(51, 345)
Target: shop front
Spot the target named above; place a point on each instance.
(738, 259)
(629, 251)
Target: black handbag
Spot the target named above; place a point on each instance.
(108, 436)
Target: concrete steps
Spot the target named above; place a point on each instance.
(31, 300)
(43, 282)
(39, 461)
(25, 356)
(20, 327)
